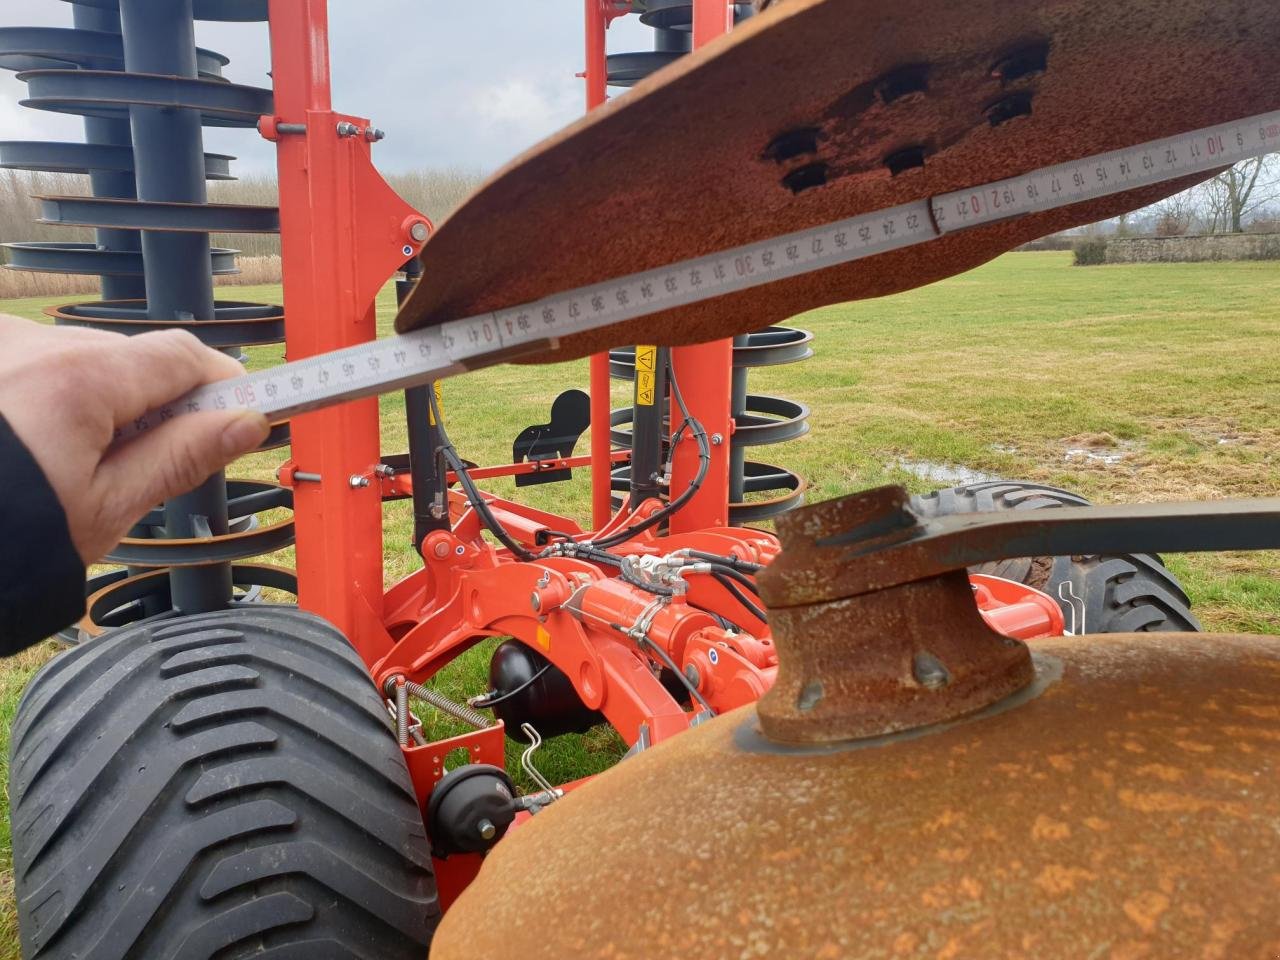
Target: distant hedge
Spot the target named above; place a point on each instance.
(1055, 241)
(1090, 252)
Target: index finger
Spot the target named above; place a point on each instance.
(151, 369)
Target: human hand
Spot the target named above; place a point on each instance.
(65, 390)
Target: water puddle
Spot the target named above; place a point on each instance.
(1084, 455)
(1098, 449)
(943, 474)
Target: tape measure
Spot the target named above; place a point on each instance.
(482, 341)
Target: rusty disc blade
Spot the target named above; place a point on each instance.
(1127, 810)
(817, 110)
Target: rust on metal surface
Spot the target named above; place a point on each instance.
(1129, 811)
(681, 166)
(897, 659)
(852, 665)
(873, 614)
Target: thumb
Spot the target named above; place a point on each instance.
(177, 456)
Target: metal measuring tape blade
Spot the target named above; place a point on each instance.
(492, 338)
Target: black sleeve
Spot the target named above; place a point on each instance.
(41, 574)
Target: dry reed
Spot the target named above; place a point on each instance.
(435, 192)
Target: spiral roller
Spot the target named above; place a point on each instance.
(759, 419)
(131, 70)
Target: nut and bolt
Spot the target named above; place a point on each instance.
(716, 439)
(348, 129)
(929, 671)
(486, 829)
(419, 231)
(357, 481)
(810, 695)
(373, 135)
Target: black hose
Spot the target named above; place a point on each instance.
(732, 574)
(747, 603)
(704, 465)
(655, 588)
(746, 566)
(472, 491)
(671, 665)
(488, 702)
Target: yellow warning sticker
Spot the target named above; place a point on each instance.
(431, 414)
(543, 638)
(646, 375)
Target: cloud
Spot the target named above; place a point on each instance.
(520, 109)
(22, 123)
(452, 84)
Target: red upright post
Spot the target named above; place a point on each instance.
(596, 75)
(342, 234)
(711, 19)
(705, 372)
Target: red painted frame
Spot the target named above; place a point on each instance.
(344, 233)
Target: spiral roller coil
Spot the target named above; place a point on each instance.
(760, 419)
(131, 70)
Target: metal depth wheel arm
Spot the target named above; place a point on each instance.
(882, 542)
(874, 618)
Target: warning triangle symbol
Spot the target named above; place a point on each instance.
(646, 397)
(645, 359)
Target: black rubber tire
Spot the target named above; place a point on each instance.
(1130, 593)
(221, 786)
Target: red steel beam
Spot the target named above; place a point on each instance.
(595, 74)
(705, 373)
(343, 232)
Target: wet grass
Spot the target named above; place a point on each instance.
(1170, 368)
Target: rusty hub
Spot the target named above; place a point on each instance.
(864, 664)
(874, 619)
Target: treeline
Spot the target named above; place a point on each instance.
(435, 192)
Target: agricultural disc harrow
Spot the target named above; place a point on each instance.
(247, 779)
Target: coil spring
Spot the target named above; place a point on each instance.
(144, 103)
(759, 419)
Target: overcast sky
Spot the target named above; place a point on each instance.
(454, 83)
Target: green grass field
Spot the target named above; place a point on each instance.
(1126, 383)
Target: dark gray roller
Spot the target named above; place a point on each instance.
(185, 217)
(103, 93)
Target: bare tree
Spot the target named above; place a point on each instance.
(1231, 196)
(1174, 215)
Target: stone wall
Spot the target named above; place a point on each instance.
(1195, 249)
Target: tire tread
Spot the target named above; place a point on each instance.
(220, 786)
